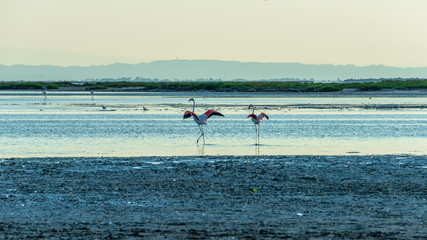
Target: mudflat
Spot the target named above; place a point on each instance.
(249, 197)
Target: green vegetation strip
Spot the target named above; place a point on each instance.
(221, 86)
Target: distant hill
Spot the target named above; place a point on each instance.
(206, 69)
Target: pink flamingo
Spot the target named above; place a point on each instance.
(202, 119)
(256, 120)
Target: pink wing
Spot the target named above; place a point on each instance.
(263, 115)
(252, 116)
(211, 112)
(188, 114)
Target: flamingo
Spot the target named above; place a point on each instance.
(256, 120)
(202, 119)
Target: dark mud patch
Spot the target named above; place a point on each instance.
(296, 197)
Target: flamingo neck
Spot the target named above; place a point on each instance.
(194, 105)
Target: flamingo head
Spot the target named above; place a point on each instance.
(250, 106)
(191, 99)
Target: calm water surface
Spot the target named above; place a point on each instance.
(73, 124)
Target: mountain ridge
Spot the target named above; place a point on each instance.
(206, 69)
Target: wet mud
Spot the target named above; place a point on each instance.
(253, 197)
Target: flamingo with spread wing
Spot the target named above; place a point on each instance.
(202, 119)
(256, 120)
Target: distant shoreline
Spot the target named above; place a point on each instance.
(201, 93)
(385, 87)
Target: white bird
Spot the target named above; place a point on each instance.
(202, 119)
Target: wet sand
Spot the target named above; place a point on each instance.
(248, 197)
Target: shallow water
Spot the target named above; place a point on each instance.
(72, 124)
(34, 97)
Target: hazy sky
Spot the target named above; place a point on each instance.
(93, 32)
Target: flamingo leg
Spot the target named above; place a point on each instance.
(202, 133)
(256, 133)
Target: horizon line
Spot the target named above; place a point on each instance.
(213, 60)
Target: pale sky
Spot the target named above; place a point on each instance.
(96, 32)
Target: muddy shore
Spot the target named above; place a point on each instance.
(201, 94)
(253, 197)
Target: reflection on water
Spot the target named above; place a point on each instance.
(201, 149)
(69, 130)
(147, 134)
(257, 149)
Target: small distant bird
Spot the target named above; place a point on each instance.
(144, 108)
(103, 107)
(206, 95)
(202, 119)
(256, 120)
